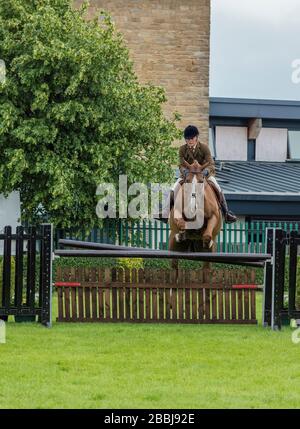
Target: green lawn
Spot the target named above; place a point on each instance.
(148, 366)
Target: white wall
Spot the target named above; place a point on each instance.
(10, 214)
(271, 145)
(232, 143)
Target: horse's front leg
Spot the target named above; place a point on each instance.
(207, 236)
(181, 235)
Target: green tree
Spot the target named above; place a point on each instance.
(72, 112)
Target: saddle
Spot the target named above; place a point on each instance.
(211, 184)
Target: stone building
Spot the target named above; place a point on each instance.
(168, 41)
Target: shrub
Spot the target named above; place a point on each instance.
(73, 113)
(146, 263)
(131, 263)
(166, 264)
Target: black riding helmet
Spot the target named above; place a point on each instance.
(190, 132)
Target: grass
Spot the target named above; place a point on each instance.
(148, 366)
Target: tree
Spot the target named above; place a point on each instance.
(72, 112)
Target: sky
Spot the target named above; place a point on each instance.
(253, 46)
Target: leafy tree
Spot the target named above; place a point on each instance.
(72, 112)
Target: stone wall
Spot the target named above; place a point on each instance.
(169, 43)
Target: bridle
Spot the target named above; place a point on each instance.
(197, 170)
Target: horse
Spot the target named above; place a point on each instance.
(183, 239)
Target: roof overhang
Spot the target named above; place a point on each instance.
(264, 208)
(254, 108)
(253, 196)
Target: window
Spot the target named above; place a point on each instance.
(211, 142)
(271, 145)
(294, 145)
(231, 143)
(251, 150)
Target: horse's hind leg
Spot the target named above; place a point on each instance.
(198, 247)
(207, 265)
(172, 247)
(175, 266)
(177, 247)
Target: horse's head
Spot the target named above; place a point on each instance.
(189, 210)
(195, 206)
(189, 204)
(195, 171)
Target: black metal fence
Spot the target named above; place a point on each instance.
(280, 297)
(26, 278)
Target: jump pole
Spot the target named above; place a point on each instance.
(255, 260)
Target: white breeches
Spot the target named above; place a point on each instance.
(176, 184)
(214, 181)
(211, 179)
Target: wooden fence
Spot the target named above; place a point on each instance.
(156, 296)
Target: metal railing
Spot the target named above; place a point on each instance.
(240, 237)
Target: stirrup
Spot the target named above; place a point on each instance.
(160, 218)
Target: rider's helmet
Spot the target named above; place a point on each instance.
(190, 132)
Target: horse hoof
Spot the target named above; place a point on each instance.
(179, 237)
(207, 242)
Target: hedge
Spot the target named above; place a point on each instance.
(164, 264)
(140, 263)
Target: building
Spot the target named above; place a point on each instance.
(169, 42)
(256, 145)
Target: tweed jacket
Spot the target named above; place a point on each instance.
(201, 153)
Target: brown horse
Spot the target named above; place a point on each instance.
(182, 238)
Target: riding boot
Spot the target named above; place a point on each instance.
(229, 217)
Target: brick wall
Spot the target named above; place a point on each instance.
(169, 43)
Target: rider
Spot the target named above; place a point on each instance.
(192, 151)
